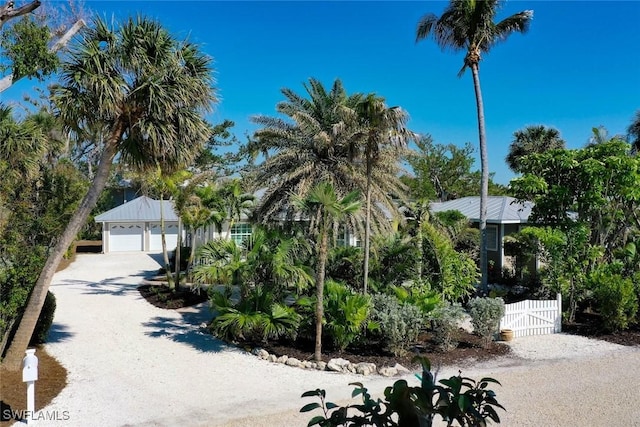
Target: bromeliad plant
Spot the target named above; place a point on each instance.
(457, 399)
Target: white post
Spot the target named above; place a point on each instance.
(30, 376)
(559, 321)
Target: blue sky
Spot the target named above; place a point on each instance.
(578, 66)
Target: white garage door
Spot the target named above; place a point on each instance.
(171, 236)
(125, 237)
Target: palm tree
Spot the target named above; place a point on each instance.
(386, 135)
(468, 25)
(236, 202)
(321, 142)
(150, 92)
(325, 208)
(634, 132)
(532, 140)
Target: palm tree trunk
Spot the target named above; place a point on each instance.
(367, 228)
(320, 273)
(163, 239)
(178, 253)
(17, 347)
(484, 180)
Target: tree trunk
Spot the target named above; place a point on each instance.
(484, 180)
(178, 252)
(367, 227)
(17, 347)
(192, 254)
(163, 239)
(320, 272)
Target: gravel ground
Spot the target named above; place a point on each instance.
(132, 364)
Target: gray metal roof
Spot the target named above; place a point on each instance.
(141, 209)
(500, 209)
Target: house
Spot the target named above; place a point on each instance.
(135, 226)
(505, 216)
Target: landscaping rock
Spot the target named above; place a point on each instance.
(338, 365)
(388, 371)
(364, 368)
(272, 358)
(321, 366)
(292, 361)
(282, 359)
(401, 369)
(261, 353)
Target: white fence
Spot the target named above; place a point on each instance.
(530, 317)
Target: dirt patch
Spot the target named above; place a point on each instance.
(469, 350)
(52, 378)
(164, 297)
(591, 325)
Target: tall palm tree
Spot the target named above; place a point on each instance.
(532, 140)
(319, 141)
(325, 208)
(634, 132)
(468, 25)
(150, 91)
(385, 135)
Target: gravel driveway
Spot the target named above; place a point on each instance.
(132, 364)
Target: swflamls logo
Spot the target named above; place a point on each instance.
(23, 414)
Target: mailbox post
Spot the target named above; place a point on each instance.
(30, 376)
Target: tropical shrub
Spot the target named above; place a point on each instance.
(445, 322)
(615, 297)
(485, 317)
(345, 265)
(256, 317)
(460, 399)
(399, 323)
(346, 313)
(418, 293)
(394, 260)
(45, 320)
(454, 274)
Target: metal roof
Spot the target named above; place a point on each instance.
(500, 209)
(141, 209)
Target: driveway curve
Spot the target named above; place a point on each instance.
(132, 364)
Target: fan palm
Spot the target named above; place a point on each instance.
(150, 92)
(386, 135)
(326, 207)
(532, 140)
(468, 25)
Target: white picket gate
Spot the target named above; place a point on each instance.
(531, 317)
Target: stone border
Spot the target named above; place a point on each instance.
(334, 365)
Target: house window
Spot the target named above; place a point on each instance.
(240, 232)
(492, 237)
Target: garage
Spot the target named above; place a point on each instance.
(135, 226)
(126, 237)
(155, 236)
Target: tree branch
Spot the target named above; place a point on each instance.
(7, 11)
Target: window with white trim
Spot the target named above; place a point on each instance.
(240, 232)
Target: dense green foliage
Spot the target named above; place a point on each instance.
(588, 201)
(346, 313)
(26, 46)
(456, 399)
